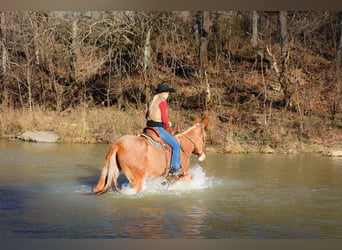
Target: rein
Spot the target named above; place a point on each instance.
(189, 139)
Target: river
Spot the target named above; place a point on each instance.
(232, 196)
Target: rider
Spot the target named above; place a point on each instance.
(157, 117)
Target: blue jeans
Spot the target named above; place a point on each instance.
(175, 157)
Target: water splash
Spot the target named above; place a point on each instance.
(160, 185)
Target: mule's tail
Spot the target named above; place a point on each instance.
(110, 173)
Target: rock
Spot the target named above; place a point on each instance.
(40, 136)
(335, 153)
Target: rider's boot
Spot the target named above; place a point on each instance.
(176, 174)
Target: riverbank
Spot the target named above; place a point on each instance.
(283, 133)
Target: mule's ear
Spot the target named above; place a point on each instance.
(205, 122)
(197, 120)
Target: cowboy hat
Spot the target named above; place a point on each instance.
(162, 87)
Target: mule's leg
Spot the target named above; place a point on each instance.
(136, 179)
(137, 184)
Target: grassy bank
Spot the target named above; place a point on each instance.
(74, 125)
(237, 133)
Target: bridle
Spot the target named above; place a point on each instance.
(195, 147)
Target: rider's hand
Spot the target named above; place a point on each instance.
(170, 130)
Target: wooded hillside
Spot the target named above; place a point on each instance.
(261, 76)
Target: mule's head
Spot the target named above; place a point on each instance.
(197, 136)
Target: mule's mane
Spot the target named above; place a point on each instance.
(188, 130)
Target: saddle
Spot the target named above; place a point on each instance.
(153, 136)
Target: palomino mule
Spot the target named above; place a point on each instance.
(137, 158)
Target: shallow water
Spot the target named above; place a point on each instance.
(230, 197)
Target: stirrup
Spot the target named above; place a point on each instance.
(176, 175)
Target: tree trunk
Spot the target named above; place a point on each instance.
(109, 77)
(36, 70)
(74, 47)
(147, 49)
(254, 40)
(4, 58)
(204, 39)
(203, 29)
(34, 23)
(3, 46)
(207, 91)
(147, 56)
(283, 58)
(337, 96)
(29, 87)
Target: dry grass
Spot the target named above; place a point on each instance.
(79, 125)
(229, 130)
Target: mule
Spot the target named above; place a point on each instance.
(138, 158)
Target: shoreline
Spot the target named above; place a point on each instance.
(316, 149)
(101, 125)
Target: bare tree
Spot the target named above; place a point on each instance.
(283, 57)
(147, 57)
(204, 34)
(116, 57)
(74, 45)
(4, 57)
(204, 30)
(3, 44)
(337, 95)
(255, 35)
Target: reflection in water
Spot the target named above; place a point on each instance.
(156, 222)
(230, 196)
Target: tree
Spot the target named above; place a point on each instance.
(283, 57)
(204, 24)
(74, 46)
(337, 95)
(4, 53)
(255, 34)
(204, 34)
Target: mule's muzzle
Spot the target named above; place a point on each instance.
(201, 157)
